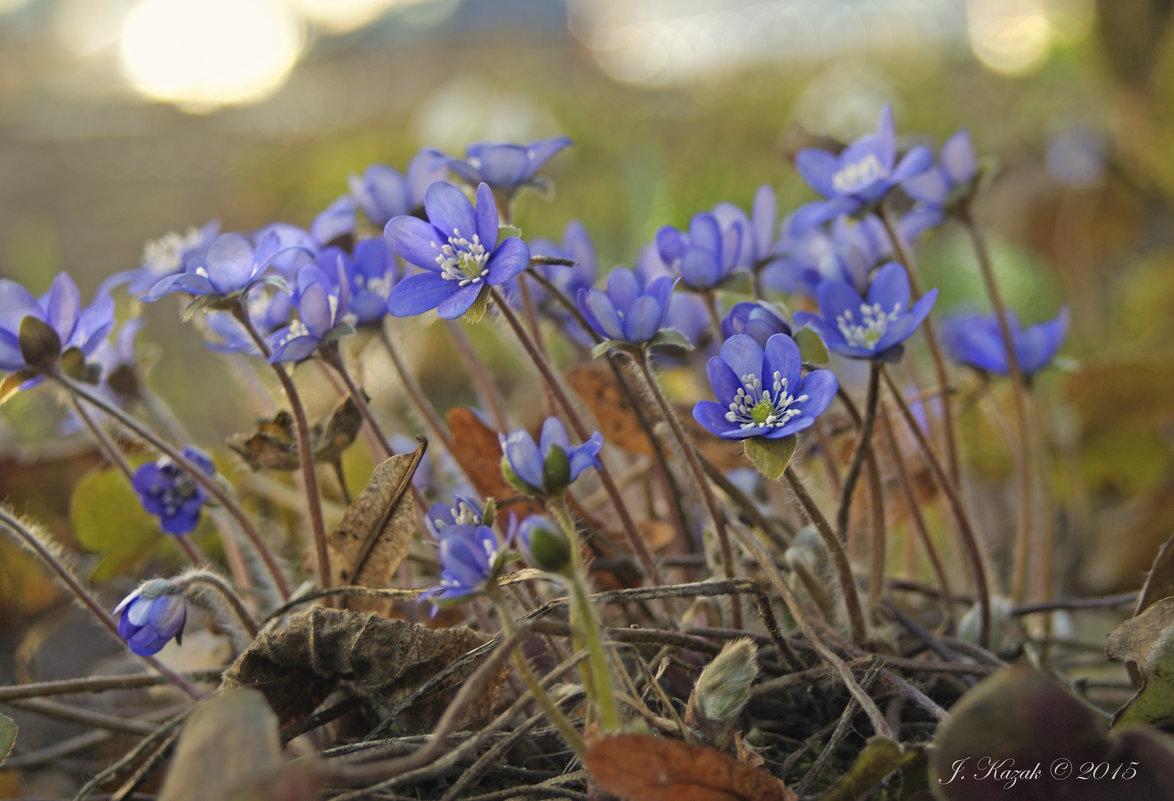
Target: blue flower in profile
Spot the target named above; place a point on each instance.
(629, 310)
(761, 391)
(457, 247)
(152, 616)
(872, 327)
(759, 320)
(383, 192)
(506, 167)
(61, 314)
(230, 267)
(934, 189)
(576, 246)
(546, 467)
(322, 314)
(470, 557)
(167, 491)
(974, 340)
(463, 512)
(760, 230)
(707, 254)
(858, 177)
(170, 254)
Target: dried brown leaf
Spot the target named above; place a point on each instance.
(644, 768)
(368, 544)
(274, 445)
(618, 421)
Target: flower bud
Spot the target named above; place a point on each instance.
(151, 616)
(40, 345)
(722, 691)
(545, 544)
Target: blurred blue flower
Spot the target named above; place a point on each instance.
(686, 312)
(546, 467)
(707, 254)
(167, 491)
(458, 249)
(470, 556)
(868, 329)
(504, 166)
(323, 316)
(231, 266)
(859, 176)
(545, 545)
(383, 192)
(931, 190)
(170, 254)
(760, 231)
(151, 616)
(441, 516)
(761, 391)
(629, 310)
(60, 309)
(576, 246)
(335, 221)
(760, 320)
(847, 252)
(975, 341)
(371, 271)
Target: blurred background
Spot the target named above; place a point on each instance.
(122, 120)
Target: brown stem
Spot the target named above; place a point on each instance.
(481, 378)
(416, 394)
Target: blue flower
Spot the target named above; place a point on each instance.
(576, 246)
(760, 231)
(383, 192)
(549, 466)
(761, 391)
(151, 616)
(441, 516)
(470, 556)
(372, 272)
(706, 255)
(859, 176)
(167, 491)
(759, 320)
(323, 314)
(335, 221)
(60, 309)
(630, 310)
(932, 190)
(458, 249)
(847, 252)
(231, 266)
(871, 328)
(170, 254)
(506, 167)
(975, 341)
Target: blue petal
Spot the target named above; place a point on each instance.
(414, 240)
(541, 151)
(459, 301)
(791, 427)
(167, 615)
(957, 158)
(915, 162)
(622, 288)
(712, 417)
(705, 233)
(699, 268)
(812, 214)
(817, 168)
(553, 433)
(16, 303)
(229, 263)
(503, 165)
(597, 307)
(890, 288)
(764, 218)
(643, 319)
(670, 244)
(782, 355)
(486, 212)
(523, 455)
(449, 210)
(722, 380)
(743, 355)
(62, 306)
(1036, 346)
(419, 293)
(314, 310)
(510, 259)
(886, 146)
(930, 187)
(836, 297)
(820, 388)
(586, 455)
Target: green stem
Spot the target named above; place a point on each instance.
(209, 483)
(965, 530)
(596, 675)
(33, 543)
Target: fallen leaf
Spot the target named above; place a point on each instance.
(274, 445)
(644, 768)
(227, 743)
(386, 661)
(7, 737)
(368, 544)
(617, 418)
(1145, 644)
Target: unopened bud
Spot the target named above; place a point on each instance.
(722, 692)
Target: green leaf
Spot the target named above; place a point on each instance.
(602, 348)
(11, 383)
(880, 757)
(672, 337)
(108, 519)
(199, 304)
(505, 231)
(477, 310)
(40, 346)
(771, 456)
(7, 737)
(811, 347)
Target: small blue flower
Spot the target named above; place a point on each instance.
(441, 516)
(761, 391)
(167, 491)
(458, 249)
(706, 255)
(60, 309)
(506, 167)
(170, 254)
(868, 329)
(859, 176)
(372, 271)
(323, 315)
(151, 616)
(759, 320)
(975, 341)
(847, 252)
(231, 266)
(576, 246)
(931, 190)
(549, 466)
(470, 556)
(760, 231)
(383, 192)
(629, 310)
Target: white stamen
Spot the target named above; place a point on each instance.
(858, 175)
(874, 322)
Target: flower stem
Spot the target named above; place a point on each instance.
(836, 553)
(226, 592)
(965, 530)
(482, 380)
(931, 339)
(596, 676)
(1025, 460)
(639, 547)
(66, 577)
(715, 512)
(214, 488)
(415, 394)
(305, 453)
(331, 356)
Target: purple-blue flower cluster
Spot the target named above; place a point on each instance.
(170, 493)
(152, 616)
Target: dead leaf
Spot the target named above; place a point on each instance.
(368, 544)
(479, 455)
(644, 768)
(274, 445)
(1146, 644)
(228, 742)
(617, 418)
(386, 661)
